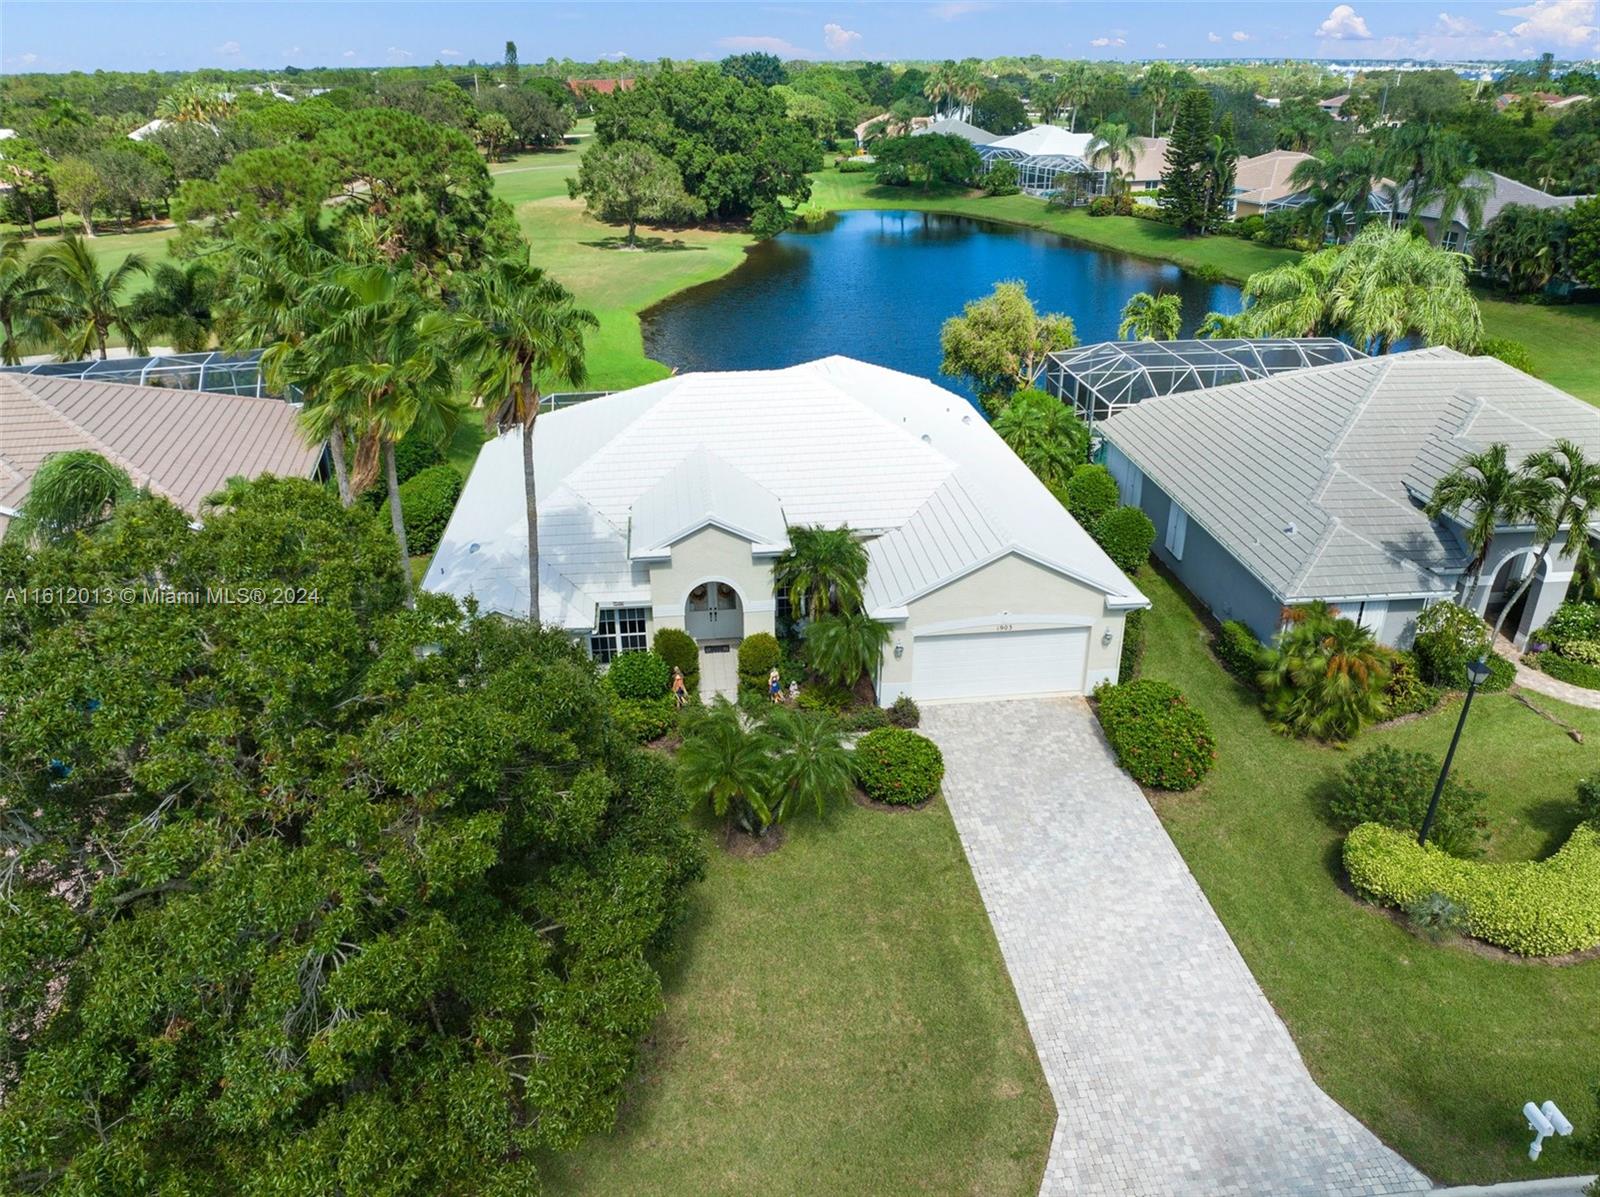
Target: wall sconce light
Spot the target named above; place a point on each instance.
(1106, 637)
(899, 651)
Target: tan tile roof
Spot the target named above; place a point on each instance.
(1265, 177)
(181, 444)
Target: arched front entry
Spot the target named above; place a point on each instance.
(1507, 578)
(713, 612)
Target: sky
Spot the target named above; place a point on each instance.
(62, 35)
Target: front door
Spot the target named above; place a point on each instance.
(713, 613)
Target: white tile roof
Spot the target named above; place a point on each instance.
(1047, 141)
(832, 442)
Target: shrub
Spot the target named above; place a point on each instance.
(1558, 667)
(857, 166)
(639, 675)
(1102, 206)
(1572, 621)
(1123, 205)
(1390, 786)
(412, 455)
(1126, 534)
(1513, 353)
(1448, 636)
(646, 719)
(1407, 693)
(678, 649)
(1090, 493)
(904, 712)
(822, 696)
(866, 719)
(1436, 916)
(1001, 178)
(758, 654)
(1158, 737)
(1534, 908)
(1133, 631)
(1584, 651)
(426, 502)
(1589, 800)
(898, 766)
(1502, 673)
(1325, 677)
(1247, 228)
(1239, 651)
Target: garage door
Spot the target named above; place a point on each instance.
(991, 664)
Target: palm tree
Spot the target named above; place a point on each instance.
(1075, 86)
(1221, 326)
(1326, 676)
(812, 767)
(193, 101)
(1485, 493)
(823, 570)
(1462, 195)
(177, 306)
(1111, 145)
(1429, 164)
(83, 303)
(1151, 317)
(1339, 184)
(1158, 84)
(727, 764)
(24, 298)
(1570, 500)
(72, 492)
(515, 327)
(1050, 97)
(1389, 285)
(398, 377)
(966, 85)
(845, 648)
(1043, 432)
(940, 85)
(1522, 247)
(1291, 300)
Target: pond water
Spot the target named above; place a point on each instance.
(878, 285)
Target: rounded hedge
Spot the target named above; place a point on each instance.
(678, 649)
(1158, 737)
(1126, 534)
(1532, 907)
(1391, 786)
(1090, 493)
(904, 712)
(1513, 353)
(412, 455)
(897, 766)
(758, 654)
(426, 501)
(639, 675)
(646, 719)
(1239, 651)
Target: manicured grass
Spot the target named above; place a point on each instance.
(1433, 1047)
(839, 1021)
(1559, 338)
(1223, 257)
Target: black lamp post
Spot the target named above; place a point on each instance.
(1477, 674)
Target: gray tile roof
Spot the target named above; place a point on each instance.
(1313, 479)
(1502, 193)
(953, 127)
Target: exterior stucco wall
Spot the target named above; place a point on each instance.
(1009, 591)
(712, 555)
(1544, 597)
(1399, 627)
(1207, 569)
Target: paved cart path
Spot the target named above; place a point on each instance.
(1172, 1075)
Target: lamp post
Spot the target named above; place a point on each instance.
(1477, 674)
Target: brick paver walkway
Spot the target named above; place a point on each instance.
(1172, 1075)
(1542, 683)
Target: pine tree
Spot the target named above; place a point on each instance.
(1183, 181)
(511, 71)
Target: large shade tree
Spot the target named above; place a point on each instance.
(627, 182)
(324, 898)
(999, 343)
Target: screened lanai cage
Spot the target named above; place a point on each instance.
(1102, 379)
(217, 372)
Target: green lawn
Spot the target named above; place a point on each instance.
(1435, 1048)
(1560, 339)
(839, 1021)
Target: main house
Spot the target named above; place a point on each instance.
(1310, 484)
(666, 506)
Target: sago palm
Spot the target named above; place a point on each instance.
(812, 766)
(1326, 676)
(1151, 317)
(515, 328)
(1485, 493)
(847, 647)
(727, 764)
(823, 570)
(84, 302)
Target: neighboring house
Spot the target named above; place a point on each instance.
(1261, 183)
(955, 127)
(1543, 99)
(667, 505)
(602, 87)
(1310, 485)
(1333, 104)
(1046, 156)
(890, 126)
(146, 129)
(1148, 163)
(181, 444)
(1458, 234)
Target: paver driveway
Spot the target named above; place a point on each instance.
(1172, 1075)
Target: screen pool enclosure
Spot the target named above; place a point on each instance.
(1101, 379)
(214, 371)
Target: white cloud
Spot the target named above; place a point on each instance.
(449, 53)
(294, 50)
(27, 59)
(1161, 45)
(1449, 25)
(768, 45)
(955, 9)
(229, 49)
(1109, 41)
(1213, 38)
(1556, 23)
(1239, 35)
(614, 56)
(1343, 24)
(837, 38)
(396, 54)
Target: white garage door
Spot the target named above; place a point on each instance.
(991, 664)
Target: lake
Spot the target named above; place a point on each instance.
(877, 286)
